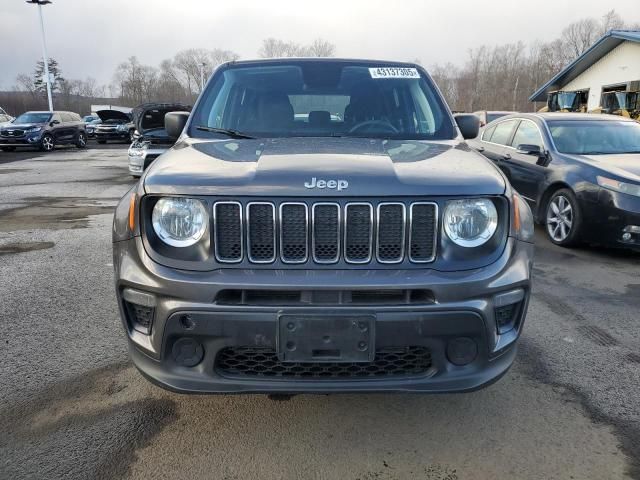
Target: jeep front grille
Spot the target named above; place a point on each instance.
(325, 232)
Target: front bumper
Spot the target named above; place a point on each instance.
(112, 135)
(29, 140)
(611, 217)
(138, 163)
(464, 305)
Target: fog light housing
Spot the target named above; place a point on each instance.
(506, 317)
(140, 308)
(187, 352)
(462, 351)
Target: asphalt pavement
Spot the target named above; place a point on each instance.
(72, 406)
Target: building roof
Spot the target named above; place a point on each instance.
(608, 42)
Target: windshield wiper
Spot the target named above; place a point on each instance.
(225, 131)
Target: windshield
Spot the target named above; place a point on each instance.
(322, 99)
(33, 118)
(595, 137)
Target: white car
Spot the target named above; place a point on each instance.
(151, 139)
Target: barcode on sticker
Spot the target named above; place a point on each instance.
(393, 72)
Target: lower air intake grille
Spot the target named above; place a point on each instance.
(255, 362)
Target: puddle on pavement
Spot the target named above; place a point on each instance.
(54, 213)
(11, 248)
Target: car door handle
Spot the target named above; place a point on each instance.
(480, 149)
(506, 156)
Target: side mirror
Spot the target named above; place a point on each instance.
(527, 149)
(54, 122)
(174, 123)
(468, 124)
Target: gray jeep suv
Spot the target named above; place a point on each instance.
(320, 225)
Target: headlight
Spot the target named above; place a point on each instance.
(179, 222)
(616, 185)
(122, 128)
(33, 129)
(470, 222)
(136, 152)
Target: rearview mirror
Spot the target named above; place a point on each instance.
(174, 123)
(468, 124)
(527, 149)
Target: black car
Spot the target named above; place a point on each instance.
(321, 226)
(43, 130)
(116, 125)
(580, 173)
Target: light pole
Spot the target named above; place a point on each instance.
(202, 65)
(45, 58)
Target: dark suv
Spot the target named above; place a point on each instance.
(43, 130)
(320, 225)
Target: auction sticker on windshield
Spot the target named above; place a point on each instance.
(393, 72)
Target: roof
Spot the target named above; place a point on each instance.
(608, 42)
(573, 116)
(280, 60)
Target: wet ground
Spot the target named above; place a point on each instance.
(71, 405)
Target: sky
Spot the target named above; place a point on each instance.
(90, 37)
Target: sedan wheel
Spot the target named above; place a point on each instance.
(563, 218)
(47, 143)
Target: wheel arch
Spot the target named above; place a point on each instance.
(546, 195)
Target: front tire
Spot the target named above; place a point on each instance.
(563, 218)
(47, 144)
(81, 142)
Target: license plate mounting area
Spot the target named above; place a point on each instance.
(326, 338)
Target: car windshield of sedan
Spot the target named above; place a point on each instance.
(33, 118)
(595, 137)
(322, 99)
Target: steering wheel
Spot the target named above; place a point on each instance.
(369, 123)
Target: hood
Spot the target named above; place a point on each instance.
(624, 164)
(21, 126)
(150, 116)
(281, 167)
(113, 115)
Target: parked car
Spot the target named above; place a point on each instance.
(116, 125)
(151, 139)
(90, 122)
(379, 253)
(5, 119)
(43, 130)
(580, 173)
(486, 116)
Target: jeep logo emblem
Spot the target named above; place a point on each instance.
(316, 183)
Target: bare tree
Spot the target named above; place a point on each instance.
(274, 48)
(321, 48)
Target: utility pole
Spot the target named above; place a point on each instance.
(515, 93)
(45, 57)
(202, 65)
